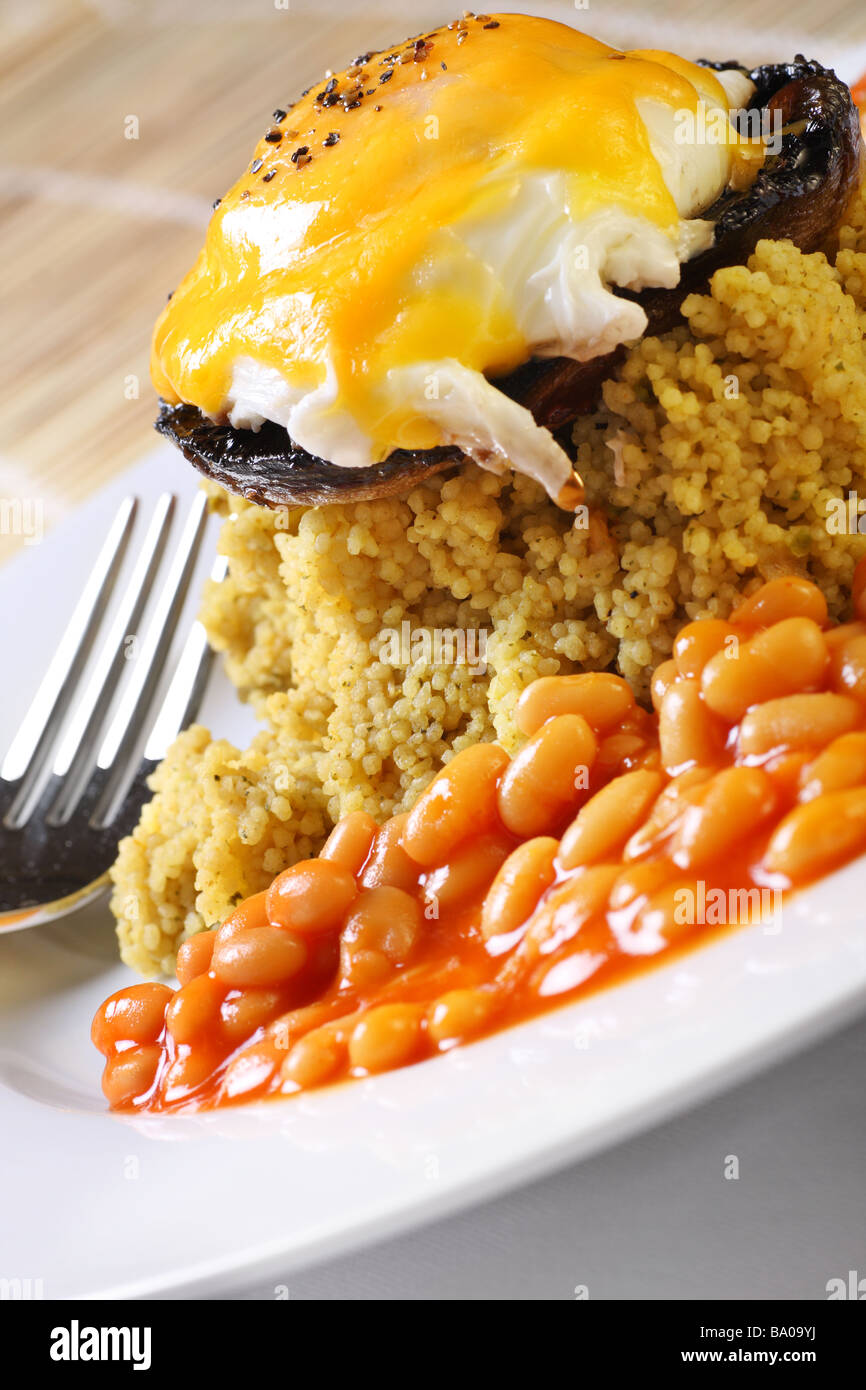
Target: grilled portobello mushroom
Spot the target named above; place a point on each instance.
(800, 193)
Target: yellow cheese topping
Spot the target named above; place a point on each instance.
(323, 257)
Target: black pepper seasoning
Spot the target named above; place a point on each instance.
(280, 115)
(274, 137)
(268, 176)
(256, 166)
(331, 138)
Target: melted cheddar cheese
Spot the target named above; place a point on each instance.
(430, 218)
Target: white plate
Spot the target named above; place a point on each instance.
(99, 1205)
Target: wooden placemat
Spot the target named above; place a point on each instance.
(119, 128)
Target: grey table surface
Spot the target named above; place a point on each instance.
(657, 1217)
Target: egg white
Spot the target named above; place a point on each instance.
(554, 269)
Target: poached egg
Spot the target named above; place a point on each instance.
(434, 216)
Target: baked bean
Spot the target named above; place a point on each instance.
(601, 698)
(814, 838)
(699, 641)
(837, 636)
(842, 764)
(640, 722)
(243, 1012)
(789, 657)
(250, 913)
(608, 818)
(313, 896)
(259, 957)
(194, 1008)
(848, 664)
(389, 866)
(786, 770)
(687, 789)
(542, 781)
(379, 934)
(135, 1014)
(736, 802)
(786, 597)
(858, 589)
(662, 679)
(639, 881)
(566, 910)
(364, 970)
(290, 1026)
(620, 752)
(194, 956)
(571, 914)
(587, 890)
(192, 1067)
(387, 1036)
(667, 917)
(513, 896)
(253, 1069)
(460, 802)
(648, 761)
(468, 873)
(315, 1058)
(349, 842)
(460, 1014)
(130, 1074)
(688, 732)
(797, 721)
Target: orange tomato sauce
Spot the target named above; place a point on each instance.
(612, 840)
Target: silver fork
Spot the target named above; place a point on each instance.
(70, 784)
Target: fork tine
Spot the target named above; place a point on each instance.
(184, 695)
(128, 723)
(28, 752)
(78, 748)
